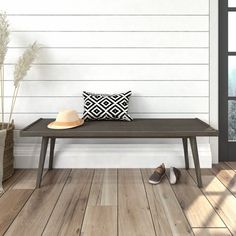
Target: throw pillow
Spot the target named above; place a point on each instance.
(106, 107)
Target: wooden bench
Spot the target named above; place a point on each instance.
(138, 128)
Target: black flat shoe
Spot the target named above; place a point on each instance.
(157, 175)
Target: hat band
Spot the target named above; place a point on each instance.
(68, 123)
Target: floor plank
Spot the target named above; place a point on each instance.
(101, 213)
(8, 183)
(71, 204)
(14, 199)
(220, 198)
(226, 175)
(196, 207)
(134, 216)
(104, 188)
(167, 214)
(119, 203)
(34, 216)
(232, 165)
(29, 180)
(100, 221)
(211, 232)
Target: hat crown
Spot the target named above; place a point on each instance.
(67, 116)
(65, 120)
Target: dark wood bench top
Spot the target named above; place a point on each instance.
(138, 128)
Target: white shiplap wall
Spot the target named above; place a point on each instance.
(159, 49)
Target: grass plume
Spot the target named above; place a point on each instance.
(4, 37)
(24, 63)
(4, 40)
(21, 68)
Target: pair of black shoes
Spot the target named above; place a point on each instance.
(160, 172)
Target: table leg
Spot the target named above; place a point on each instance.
(52, 146)
(185, 145)
(193, 142)
(43, 152)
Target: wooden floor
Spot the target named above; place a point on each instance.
(119, 202)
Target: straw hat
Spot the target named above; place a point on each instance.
(65, 120)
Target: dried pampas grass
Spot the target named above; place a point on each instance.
(21, 68)
(24, 63)
(4, 40)
(4, 37)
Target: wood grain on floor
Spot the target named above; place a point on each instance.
(168, 217)
(13, 200)
(71, 205)
(220, 198)
(226, 175)
(8, 183)
(33, 217)
(101, 213)
(111, 202)
(195, 205)
(134, 213)
(211, 232)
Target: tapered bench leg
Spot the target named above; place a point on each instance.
(193, 142)
(52, 146)
(185, 145)
(43, 152)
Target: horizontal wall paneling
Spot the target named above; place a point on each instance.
(116, 56)
(108, 23)
(111, 39)
(158, 49)
(111, 155)
(138, 88)
(189, 7)
(137, 104)
(113, 72)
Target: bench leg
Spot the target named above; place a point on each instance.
(52, 146)
(193, 142)
(43, 152)
(185, 145)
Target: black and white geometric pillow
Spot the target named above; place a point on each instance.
(106, 107)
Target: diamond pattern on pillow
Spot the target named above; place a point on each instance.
(106, 107)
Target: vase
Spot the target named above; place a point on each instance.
(8, 157)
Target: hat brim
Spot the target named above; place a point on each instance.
(53, 125)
